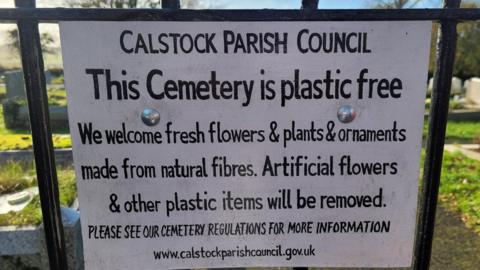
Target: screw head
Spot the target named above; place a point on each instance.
(150, 117)
(346, 114)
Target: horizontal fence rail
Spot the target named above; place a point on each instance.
(94, 14)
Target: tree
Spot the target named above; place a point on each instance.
(46, 40)
(115, 3)
(190, 4)
(396, 4)
(467, 59)
(467, 56)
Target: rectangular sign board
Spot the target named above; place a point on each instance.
(228, 144)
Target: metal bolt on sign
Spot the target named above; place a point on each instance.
(150, 117)
(346, 114)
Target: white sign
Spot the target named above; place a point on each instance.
(249, 164)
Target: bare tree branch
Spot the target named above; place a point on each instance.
(392, 4)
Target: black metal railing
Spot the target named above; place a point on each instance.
(27, 17)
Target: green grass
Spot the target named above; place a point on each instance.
(32, 215)
(462, 131)
(459, 132)
(24, 142)
(58, 80)
(15, 176)
(57, 97)
(460, 187)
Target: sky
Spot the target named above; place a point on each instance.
(225, 4)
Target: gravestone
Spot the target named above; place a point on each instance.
(73, 240)
(25, 248)
(49, 76)
(456, 88)
(465, 85)
(18, 117)
(430, 86)
(472, 94)
(15, 84)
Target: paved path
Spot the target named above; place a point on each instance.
(455, 247)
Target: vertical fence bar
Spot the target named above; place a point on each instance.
(35, 86)
(442, 82)
(172, 4)
(309, 4)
